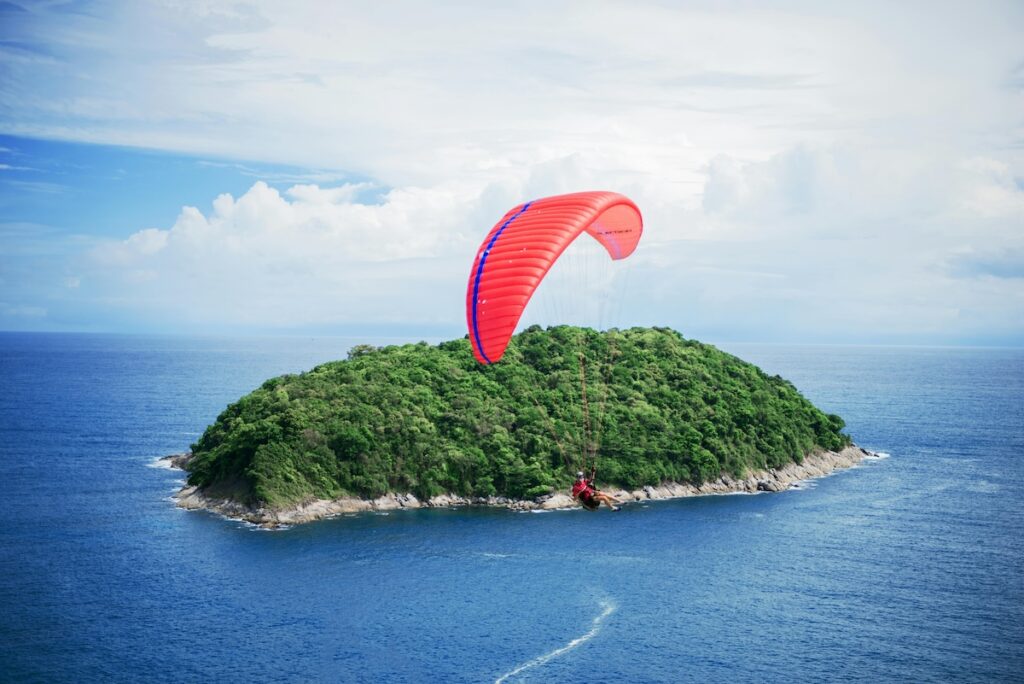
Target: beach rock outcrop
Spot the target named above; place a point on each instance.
(818, 464)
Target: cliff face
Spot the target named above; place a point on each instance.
(430, 422)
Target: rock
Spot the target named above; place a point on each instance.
(558, 501)
(773, 480)
(445, 501)
(179, 461)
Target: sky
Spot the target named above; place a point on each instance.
(808, 172)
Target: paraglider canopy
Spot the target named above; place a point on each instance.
(521, 248)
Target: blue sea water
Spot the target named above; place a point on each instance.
(908, 568)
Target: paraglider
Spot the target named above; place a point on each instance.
(591, 498)
(522, 247)
(514, 259)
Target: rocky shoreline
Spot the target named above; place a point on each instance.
(818, 464)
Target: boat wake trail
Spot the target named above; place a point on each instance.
(607, 608)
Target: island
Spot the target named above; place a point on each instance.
(419, 425)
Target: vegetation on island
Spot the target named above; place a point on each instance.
(431, 420)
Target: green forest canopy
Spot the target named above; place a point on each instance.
(431, 420)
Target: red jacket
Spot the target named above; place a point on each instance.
(582, 489)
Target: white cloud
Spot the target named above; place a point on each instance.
(18, 311)
(923, 246)
(801, 167)
(993, 191)
(311, 256)
(813, 243)
(413, 92)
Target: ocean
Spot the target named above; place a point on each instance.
(907, 568)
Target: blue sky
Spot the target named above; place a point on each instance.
(62, 199)
(808, 172)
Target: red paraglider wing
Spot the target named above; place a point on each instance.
(520, 249)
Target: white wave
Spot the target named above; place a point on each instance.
(161, 462)
(531, 511)
(607, 608)
(256, 527)
(878, 454)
